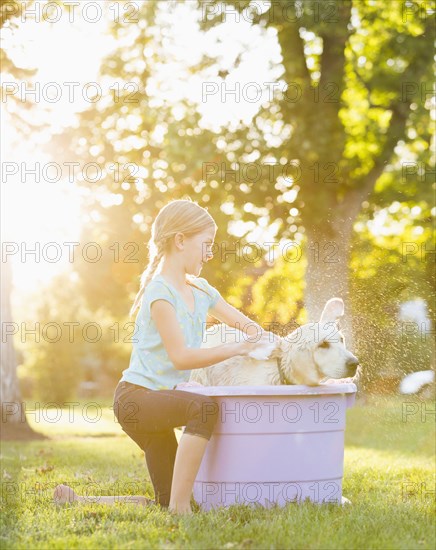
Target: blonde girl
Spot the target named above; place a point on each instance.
(173, 306)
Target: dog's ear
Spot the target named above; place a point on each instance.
(333, 309)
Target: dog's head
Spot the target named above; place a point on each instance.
(316, 351)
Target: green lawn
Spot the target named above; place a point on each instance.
(388, 476)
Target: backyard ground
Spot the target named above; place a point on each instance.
(388, 476)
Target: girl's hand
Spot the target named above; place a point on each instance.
(259, 348)
(271, 337)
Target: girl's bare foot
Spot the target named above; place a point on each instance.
(63, 494)
(180, 511)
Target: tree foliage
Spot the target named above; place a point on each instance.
(360, 134)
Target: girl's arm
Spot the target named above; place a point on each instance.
(232, 317)
(183, 357)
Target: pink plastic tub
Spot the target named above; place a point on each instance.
(274, 444)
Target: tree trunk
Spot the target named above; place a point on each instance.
(14, 423)
(328, 257)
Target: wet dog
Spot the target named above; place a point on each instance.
(311, 354)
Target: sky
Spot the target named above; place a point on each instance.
(50, 212)
(66, 51)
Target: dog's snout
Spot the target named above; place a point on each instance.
(352, 362)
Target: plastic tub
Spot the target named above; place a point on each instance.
(274, 445)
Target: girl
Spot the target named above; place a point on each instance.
(173, 306)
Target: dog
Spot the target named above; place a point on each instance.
(311, 354)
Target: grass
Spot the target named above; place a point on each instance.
(388, 476)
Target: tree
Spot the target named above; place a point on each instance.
(354, 73)
(362, 69)
(14, 422)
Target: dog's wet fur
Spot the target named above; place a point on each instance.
(312, 354)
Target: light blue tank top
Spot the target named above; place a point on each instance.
(150, 365)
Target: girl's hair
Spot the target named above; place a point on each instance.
(184, 216)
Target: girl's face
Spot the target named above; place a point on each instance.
(199, 251)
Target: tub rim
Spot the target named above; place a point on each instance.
(229, 391)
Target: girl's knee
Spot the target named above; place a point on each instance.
(203, 416)
(209, 413)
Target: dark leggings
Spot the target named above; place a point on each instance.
(149, 418)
